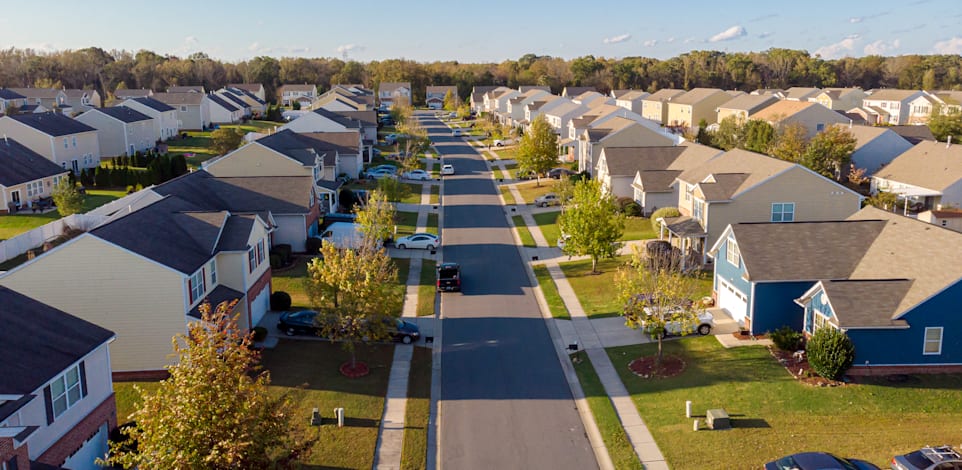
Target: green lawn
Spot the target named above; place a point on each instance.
(523, 233)
(435, 171)
(548, 223)
(417, 412)
(638, 228)
(307, 371)
(411, 194)
(427, 289)
(774, 415)
(432, 223)
(507, 195)
(254, 126)
(406, 222)
(292, 280)
(435, 193)
(620, 450)
(529, 191)
(555, 304)
(595, 291)
(13, 225)
(498, 173)
(506, 153)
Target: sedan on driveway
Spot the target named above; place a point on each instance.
(818, 461)
(382, 173)
(557, 173)
(550, 199)
(419, 175)
(421, 241)
(447, 169)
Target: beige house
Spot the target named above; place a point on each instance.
(305, 94)
(434, 95)
(9, 98)
(839, 99)
(653, 185)
(744, 106)
(389, 93)
(899, 107)
(120, 130)
(617, 132)
(256, 89)
(193, 109)
(25, 177)
(697, 105)
(166, 124)
(926, 176)
(741, 186)
(948, 218)
(67, 142)
(812, 116)
(631, 100)
(81, 100)
(800, 93)
(121, 94)
(654, 107)
(49, 98)
(257, 106)
(164, 260)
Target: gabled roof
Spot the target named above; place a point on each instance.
(661, 179)
(366, 118)
(695, 96)
(391, 86)
(733, 172)
(19, 164)
(122, 114)
(294, 145)
(570, 91)
(132, 93)
(914, 134)
(186, 89)
(564, 107)
(345, 142)
(749, 103)
(177, 99)
(801, 93)
(242, 93)
(37, 342)
(627, 161)
(664, 94)
(929, 165)
(527, 88)
(298, 87)
(631, 95)
(42, 93)
(865, 135)
(52, 124)
(8, 94)
(219, 295)
(890, 94)
(784, 109)
(153, 103)
(222, 102)
(441, 89)
(251, 87)
(77, 93)
(858, 302)
(339, 118)
(234, 100)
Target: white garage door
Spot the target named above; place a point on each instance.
(94, 448)
(732, 300)
(260, 305)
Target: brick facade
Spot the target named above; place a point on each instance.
(262, 282)
(903, 370)
(58, 453)
(140, 375)
(9, 452)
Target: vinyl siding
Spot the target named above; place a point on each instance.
(256, 160)
(880, 151)
(774, 305)
(142, 302)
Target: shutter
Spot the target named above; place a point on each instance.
(48, 404)
(83, 380)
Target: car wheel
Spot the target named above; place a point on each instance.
(402, 246)
(406, 339)
(290, 332)
(704, 329)
(429, 247)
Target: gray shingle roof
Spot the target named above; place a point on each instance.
(857, 303)
(220, 294)
(122, 114)
(930, 165)
(626, 161)
(235, 100)
(753, 168)
(180, 98)
(297, 146)
(339, 118)
(52, 124)
(154, 104)
(8, 94)
(19, 164)
(277, 194)
(222, 102)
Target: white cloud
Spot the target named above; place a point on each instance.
(855, 19)
(764, 35)
(651, 43)
(734, 32)
(254, 46)
(190, 40)
(617, 39)
(670, 40)
(881, 47)
(949, 46)
(838, 49)
(689, 40)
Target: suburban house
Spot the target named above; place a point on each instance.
(303, 94)
(536, 108)
(322, 120)
(875, 147)
(812, 116)
(193, 109)
(67, 142)
(56, 394)
(592, 99)
(434, 95)
(744, 106)
(652, 185)
(901, 106)
(477, 97)
(618, 132)
(389, 93)
(951, 101)
(926, 176)
(345, 98)
(257, 106)
(223, 111)
(698, 105)
(79, 101)
(886, 280)
(498, 103)
(367, 121)
(950, 218)
(120, 130)
(164, 116)
(742, 186)
(839, 99)
(49, 98)
(559, 114)
(573, 91)
(256, 89)
(10, 98)
(632, 100)
(914, 134)
(617, 166)
(167, 258)
(237, 102)
(776, 92)
(187, 89)
(799, 93)
(515, 112)
(121, 94)
(654, 107)
(25, 176)
(347, 148)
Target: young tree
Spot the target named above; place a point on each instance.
(758, 135)
(212, 412)
(392, 189)
(654, 292)
(67, 198)
(730, 134)
(224, 140)
(789, 143)
(565, 189)
(593, 223)
(376, 218)
(945, 125)
(451, 101)
(538, 150)
(830, 151)
(357, 292)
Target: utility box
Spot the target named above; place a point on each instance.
(717, 419)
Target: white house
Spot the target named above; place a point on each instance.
(166, 124)
(120, 130)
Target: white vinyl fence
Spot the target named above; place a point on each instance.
(35, 238)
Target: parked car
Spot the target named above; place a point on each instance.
(929, 458)
(703, 326)
(449, 277)
(556, 173)
(453, 114)
(303, 322)
(818, 461)
(420, 175)
(447, 169)
(502, 142)
(550, 199)
(563, 240)
(456, 132)
(384, 166)
(381, 173)
(525, 175)
(390, 139)
(421, 241)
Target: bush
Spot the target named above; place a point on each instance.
(787, 339)
(663, 212)
(260, 333)
(629, 207)
(313, 246)
(830, 353)
(277, 260)
(280, 300)
(284, 250)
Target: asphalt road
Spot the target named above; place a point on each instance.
(504, 402)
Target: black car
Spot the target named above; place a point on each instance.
(818, 461)
(302, 322)
(449, 277)
(557, 173)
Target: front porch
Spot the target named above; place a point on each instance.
(686, 235)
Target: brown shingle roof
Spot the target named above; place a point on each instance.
(696, 95)
(777, 112)
(626, 161)
(930, 165)
(754, 166)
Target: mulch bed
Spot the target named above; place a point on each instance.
(670, 366)
(800, 369)
(360, 369)
(744, 336)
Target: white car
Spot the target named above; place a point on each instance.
(456, 132)
(447, 169)
(420, 175)
(703, 325)
(423, 241)
(563, 240)
(550, 199)
(502, 142)
(382, 173)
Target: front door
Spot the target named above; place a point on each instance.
(15, 196)
(76, 167)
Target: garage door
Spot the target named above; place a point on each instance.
(260, 305)
(93, 449)
(732, 300)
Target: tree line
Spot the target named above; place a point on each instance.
(105, 71)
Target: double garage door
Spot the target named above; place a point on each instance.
(732, 300)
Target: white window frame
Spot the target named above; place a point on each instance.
(688, 189)
(212, 266)
(71, 393)
(926, 341)
(197, 285)
(782, 212)
(731, 252)
(252, 259)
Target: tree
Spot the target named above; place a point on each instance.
(830, 151)
(215, 411)
(593, 223)
(224, 140)
(357, 291)
(451, 101)
(376, 218)
(538, 150)
(830, 352)
(758, 135)
(653, 292)
(730, 134)
(945, 125)
(564, 188)
(68, 199)
(789, 143)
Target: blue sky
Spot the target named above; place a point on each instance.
(484, 31)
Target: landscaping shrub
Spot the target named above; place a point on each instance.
(260, 333)
(284, 250)
(787, 339)
(313, 246)
(629, 207)
(663, 212)
(830, 353)
(277, 260)
(280, 300)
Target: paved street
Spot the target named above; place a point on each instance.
(504, 402)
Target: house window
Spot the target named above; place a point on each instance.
(75, 141)
(260, 252)
(688, 189)
(183, 109)
(65, 143)
(698, 208)
(66, 391)
(731, 252)
(197, 285)
(944, 222)
(933, 341)
(212, 266)
(251, 259)
(819, 127)
(783, 212)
